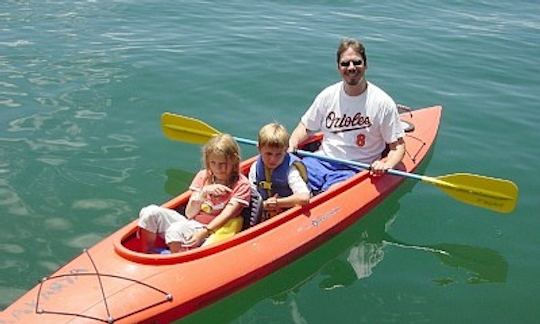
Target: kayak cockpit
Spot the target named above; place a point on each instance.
(128, 244)
(130, 247)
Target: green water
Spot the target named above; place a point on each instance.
(83, 83)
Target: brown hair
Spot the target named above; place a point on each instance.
(224, 145)
(356, 45)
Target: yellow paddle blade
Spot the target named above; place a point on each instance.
(186, 129)
(491, 193)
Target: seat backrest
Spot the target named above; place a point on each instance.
(252, 214)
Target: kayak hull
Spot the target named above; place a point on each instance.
(113, 283)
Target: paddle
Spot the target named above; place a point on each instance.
(491, 193)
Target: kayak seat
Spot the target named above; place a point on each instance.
(407, 126)
(231, 227)
(311, 146)
(252, 214)
(181, 209)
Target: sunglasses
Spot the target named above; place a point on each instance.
(354, 62)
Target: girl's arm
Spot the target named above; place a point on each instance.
(197, 198)
(233, 209)
(194, 204)
(198, 194)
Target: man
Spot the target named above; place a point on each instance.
(358, 120)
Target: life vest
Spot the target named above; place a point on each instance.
(262, 188)
(270, 183)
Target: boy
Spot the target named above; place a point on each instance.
(280, 177)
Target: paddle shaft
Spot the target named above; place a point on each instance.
(496, 194)
(343, 161)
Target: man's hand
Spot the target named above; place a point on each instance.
(378, 168)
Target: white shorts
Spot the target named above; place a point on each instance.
(168, 223)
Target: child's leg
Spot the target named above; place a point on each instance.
(176, 247)
(153, 221)
(148, 240)
(179, 233)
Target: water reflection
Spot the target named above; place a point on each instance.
(178, 181)
(484, 265)
(359, 264)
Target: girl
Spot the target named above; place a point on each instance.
(219, 193)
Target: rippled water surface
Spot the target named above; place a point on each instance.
(83, 83)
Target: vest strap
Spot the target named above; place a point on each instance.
(266, 185)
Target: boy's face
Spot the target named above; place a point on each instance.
(272, 156)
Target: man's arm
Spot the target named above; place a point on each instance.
(299, 135)
(395, 155)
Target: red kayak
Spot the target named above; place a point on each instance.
(112, 282)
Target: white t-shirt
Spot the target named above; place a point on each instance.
(354, 127)
(296, 183)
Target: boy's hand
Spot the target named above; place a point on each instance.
(271, 204)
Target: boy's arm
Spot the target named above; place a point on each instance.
(286, 202)
(300, 196)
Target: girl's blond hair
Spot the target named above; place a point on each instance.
(226, 146)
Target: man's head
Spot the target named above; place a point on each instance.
(351, 61)
(355, 45)
(273, 144)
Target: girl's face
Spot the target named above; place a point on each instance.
(221, 167)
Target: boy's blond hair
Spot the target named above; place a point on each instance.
(224, 145)
(274, 135)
